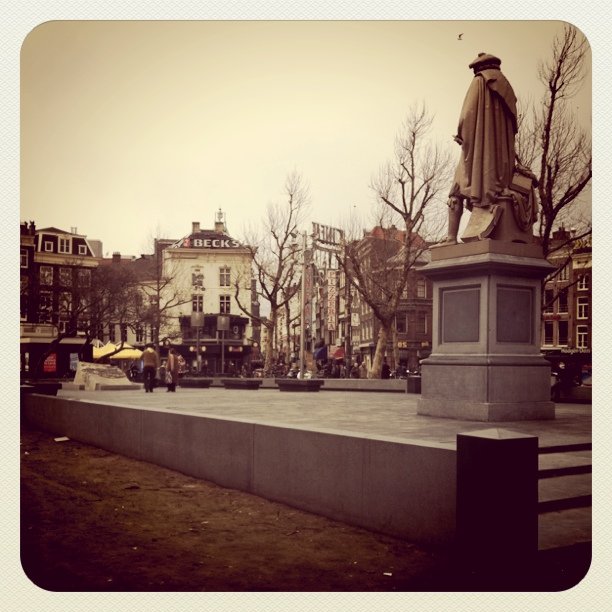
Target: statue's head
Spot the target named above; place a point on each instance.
(485, 61)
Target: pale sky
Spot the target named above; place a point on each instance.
(132, 129)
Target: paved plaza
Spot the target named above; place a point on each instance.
(364, 413)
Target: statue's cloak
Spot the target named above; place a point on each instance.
(487, 127)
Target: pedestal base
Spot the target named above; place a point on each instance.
(486, 388)
(483, 411)
(486, 363)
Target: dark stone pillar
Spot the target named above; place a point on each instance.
(497, 500)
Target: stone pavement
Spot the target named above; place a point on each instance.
(362, 413)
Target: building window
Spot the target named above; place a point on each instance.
(422, 324)
(124, 332)
(563, 333)
(84, 277)
(421, 288)
(224, 276)
(197, 303)
(563, 273)
(65, 277)
(584, 282)
(65, 303)
(562, 301)
(82, 249)
(549, 331)
(139, 334)
(48, 246)
(111, 332)
(549, 300)
(224, 304)
(23, 302)
(62, 326)
(45, 306)
(582, 336)
(583, 308)
(46, 275)
(197, 279)
(63, 245)
(24, 258)
(400, 323)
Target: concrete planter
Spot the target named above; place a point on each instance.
(241, 383)
(45, 388)
(295, 384)
(199, 383)
(413, 384)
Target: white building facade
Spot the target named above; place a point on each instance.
(211, 274)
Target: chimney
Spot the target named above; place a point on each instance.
(116, 257)
(195, 227)
(220, 223)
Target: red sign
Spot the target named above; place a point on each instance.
(50, 364)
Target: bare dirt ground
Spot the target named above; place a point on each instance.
(95, 521)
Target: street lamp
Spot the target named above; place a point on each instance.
(197, 321)
(303, 308)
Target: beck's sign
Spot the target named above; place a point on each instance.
(206, 243)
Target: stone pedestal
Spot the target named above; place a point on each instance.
(486, 363)
(497, 499)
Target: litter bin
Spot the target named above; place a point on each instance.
(413, 384)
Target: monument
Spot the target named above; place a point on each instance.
(486, 363)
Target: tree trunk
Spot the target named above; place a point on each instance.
(381, 348)
(271, 327)
(395, 363)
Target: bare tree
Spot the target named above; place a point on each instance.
(159, 294)
(112, 301)
(97, 298)
(553, 144)
(408, 191)
(275, 264)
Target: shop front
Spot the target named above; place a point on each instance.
(216, 358)
(41, 357)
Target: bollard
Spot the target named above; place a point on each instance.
(497, 501)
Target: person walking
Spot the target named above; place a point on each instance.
(172, 369)
(385, 371)
(150, 363)
(363, 370)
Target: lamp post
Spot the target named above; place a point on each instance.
(197, 321)
(303, 308)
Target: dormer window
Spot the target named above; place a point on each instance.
(48, 246)
(63, 245)
(82, 249)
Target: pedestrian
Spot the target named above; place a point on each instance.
(363, 370)
(150, 363)
(172, 370)
(385, 371)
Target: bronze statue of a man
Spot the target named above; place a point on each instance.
(486, 133)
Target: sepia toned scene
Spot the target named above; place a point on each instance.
(306, 306)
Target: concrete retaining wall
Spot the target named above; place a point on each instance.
(383, 484)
